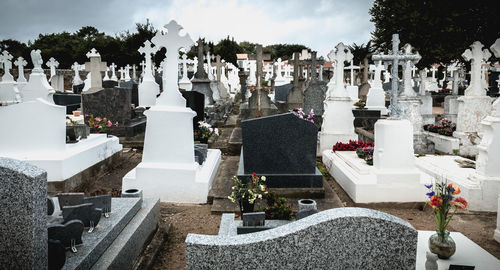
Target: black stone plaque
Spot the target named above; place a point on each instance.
(281, 92)
(101, 201)
(86, 213)
(67, 233)
(109, 84)
(71, 101)
(67, 199)
(254, 219)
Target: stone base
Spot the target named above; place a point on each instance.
(328, 140)
(443, 144)
(410, 107)
(174, 182)
(481, 192)
(366, 184)
(75, 158)
(468, 143)
(304, 181)
(203, 86)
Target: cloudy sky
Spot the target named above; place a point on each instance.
(318, 24)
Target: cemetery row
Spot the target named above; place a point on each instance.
(78, 131)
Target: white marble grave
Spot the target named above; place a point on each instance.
(375, 99)
(184, 82)
(168, 169)
(9, 92)
(38, 86)
(338, 119)
(148, 88)
(56, 81)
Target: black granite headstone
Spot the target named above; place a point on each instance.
(67, 233)
(109, 84)
(195, 101)
(282, 148)
(86, 212)
(314, 97)
(71, 101)
(281, 92)
(254, 219)
(101, 201)
(68, 199)
(50, 206)
(134, 86)
(56, 254)
(77, 89)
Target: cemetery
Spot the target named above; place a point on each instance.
(163, 148)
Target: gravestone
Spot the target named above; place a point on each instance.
(20, 63)
(295, 98)
(95, 66)
(340, 238)
(195, 101)
(201, 82)
(267, 150)
(23, 206)
(69, 199)
(149, 89)
(314, 94)
(71, 101)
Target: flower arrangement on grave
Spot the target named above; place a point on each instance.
(351, 146)
(246, 192)
(360, 104)
(276, 207)
(299, 112)
(205, 131)
(444, 203)
(100, 125)
(444, 127)
(70, 122)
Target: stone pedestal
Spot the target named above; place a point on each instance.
(426, 109)
(148, 91)
(411, 108)
(9, 93)
(37, 87)
(471, 111)
(338, 123)
(394, 145)
(353, 92)
(375, 100)
(451, 108)
(251, 109)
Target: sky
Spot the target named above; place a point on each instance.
(318, 24)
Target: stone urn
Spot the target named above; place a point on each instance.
(132, 193)
(307, 207)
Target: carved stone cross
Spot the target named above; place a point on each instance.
(113, 72)
(393, 58)
(20, 63)
(476, 55)
(127, 73)
(52, 64)
(341, 54)
(173, 42)
(147, 50)
(76, 78)
(95, 66)
(184, 62)
(218, 65)
(5, 58)
(352, 67)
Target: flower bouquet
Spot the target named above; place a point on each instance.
(302, 115)
(100, 125)
(204, 132)
(444, 203)
(245, 193)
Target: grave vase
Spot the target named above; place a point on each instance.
(246, 206)
(442, 244)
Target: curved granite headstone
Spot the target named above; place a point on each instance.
(65, 233)
(86, 212)
(341, 238)
(57, 254)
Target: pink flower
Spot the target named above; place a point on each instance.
(109, 123)
(98, 119)
(116, 123)
(86, 115)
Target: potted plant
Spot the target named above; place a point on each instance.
(245, 193)
(276, 207)
(204, 132)
(444, 203)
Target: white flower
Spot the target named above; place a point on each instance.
(263, 178)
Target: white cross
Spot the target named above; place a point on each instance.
(352, 67)
(113, 72)
(341, 54)
(52, 64)
(407, 72)
(20, 63)
(413, 70)
(184, 67)
(434, 69)
(279, 64)
(476, 56)
(218, 65)
(143, 66)
(5, 58)
(95, 66)
(122, 73)
(76, 68)
(127, 73)
(106, 77)
(147, 50)
(394, 59)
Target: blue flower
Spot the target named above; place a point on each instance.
(450, 197)
(430, 194)
(428, 186)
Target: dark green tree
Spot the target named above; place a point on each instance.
(283, 51)
(439, 30)
(227, 49)
(359, 52)
(247, 47)
(16, 49)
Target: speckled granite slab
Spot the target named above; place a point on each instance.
(96, 243)
(341, 238)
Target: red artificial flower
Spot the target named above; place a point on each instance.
(435, 202)
(460, 202)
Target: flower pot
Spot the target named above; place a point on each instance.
(307, 204)
(442, 244)
(77, 113)
(246, 207)
(132, 193)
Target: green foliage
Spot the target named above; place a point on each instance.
(360, 52)
(276, 207)
(247, 47)
(227, 49)
(439, 30)
(283, 51)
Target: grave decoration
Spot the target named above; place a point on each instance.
(444, 127)
(245, 193)
(204, 132)
(445, 203)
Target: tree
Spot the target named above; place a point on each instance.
(227, 49)
(283, 51)
(247, 47)
(359, 52)
(15, 48)
(440, 30)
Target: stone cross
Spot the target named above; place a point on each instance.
(209, 66)
(143, 66)
(456, 79)
(377, 79)
(341, 54)
(476, 55)
(52, 64)
(95, 66)
(200, 73)
(407, 77)
(147, 50)
(172, 41)
(122, 73)
(195, 65)
(393, 58)
(76, 78)
(106, 76)
(259, 64)
(218, 65)
(5, 58)
(279, 64)
(296, 75)
(127, 73)
(184, 67)
(113, 72)
(352, 67)
(413, 70)
(20, 63)
(434, 69)
(134, 72)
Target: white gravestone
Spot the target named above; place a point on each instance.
(106, 76)
(127, 73)
(279, 80)
(168, 169)
(352, 89)
(184, 82)
(113, 72)
(57, 81)
(38, 86)
(76, 78)
(338, 119)
(9, 91)
(375, 99)
(148, 88)
(20, 63)
(474, 106)
(95, 66)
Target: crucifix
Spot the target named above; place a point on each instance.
(200, 73)
(113, 72)
(5, 58)
(76, 78)
(173, 42)
(476, 56)
(352, 67)
(341, 54)
(127, 73)
(147, 50)
(393, 58)
(218, 65)
(20, 63)
(52, 64)
(184, 67)
(95, 66)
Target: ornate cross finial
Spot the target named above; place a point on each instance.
(338, 56)
(5, 58)
(52, 64)
(476, 55)
(147, 50)
(20, 63)
(95, 66)
(173, 42)
(93, 53)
